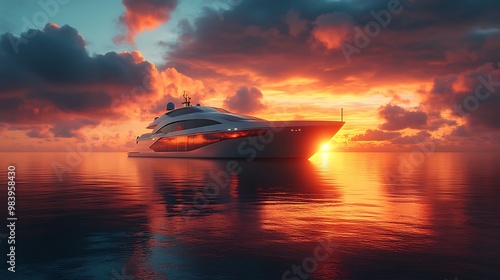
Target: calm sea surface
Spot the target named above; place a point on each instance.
(336, 216)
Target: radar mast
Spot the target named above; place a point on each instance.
(187, 100)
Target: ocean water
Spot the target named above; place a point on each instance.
(335, 216)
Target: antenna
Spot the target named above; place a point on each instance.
(341, 114)
(187, 100)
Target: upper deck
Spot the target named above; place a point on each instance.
(198, 113)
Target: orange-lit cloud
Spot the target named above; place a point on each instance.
(142, 15)
(386, 86)
(64, 93)
(376, 135)
(332, 29)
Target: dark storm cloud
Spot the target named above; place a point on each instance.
(251, 34)
(397, 118)
(47, 76)
(10, 104)
(69, 128)
(245, 100)
(473, 95)
(460, 131)
(38, 133)
(75, 101)
(58, 55)
(487, 114)
(275, 40)
(426, 42)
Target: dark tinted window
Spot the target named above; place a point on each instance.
(238, 118)
(187, 124)
(183, 111)
(233, 118)
(221, 110)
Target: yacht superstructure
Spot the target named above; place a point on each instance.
(209, 132)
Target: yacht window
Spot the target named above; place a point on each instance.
(221, 110)
(233, 118)
(187, 124)
(183, 111)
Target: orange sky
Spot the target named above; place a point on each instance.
(430, 74)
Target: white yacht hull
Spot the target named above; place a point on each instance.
(284, 139)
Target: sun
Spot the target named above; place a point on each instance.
(325, 147)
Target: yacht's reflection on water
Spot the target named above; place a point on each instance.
(209, 232)
(200, 186)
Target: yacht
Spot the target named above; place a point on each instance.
(210, 132)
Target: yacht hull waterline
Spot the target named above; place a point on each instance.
(208, 132)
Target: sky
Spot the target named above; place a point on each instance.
(90, 75)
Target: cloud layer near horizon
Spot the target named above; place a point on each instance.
(410, 80)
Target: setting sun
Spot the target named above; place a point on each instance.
(325, 147)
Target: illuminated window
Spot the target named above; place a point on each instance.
(192, 142)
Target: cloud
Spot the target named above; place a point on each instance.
(276, 50)
(266, 46)
(460, 131)
(39, 132)
(397, 118)
(75, 101)
(245, 100)
(472, 95)
(296, 25)
(412, 139)
(375, 135)
(52, 86)
(58, 56)
(69, 128)
(52, 74)
(142, 15)
(394, 138)
(332, 29)
(273, 47)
